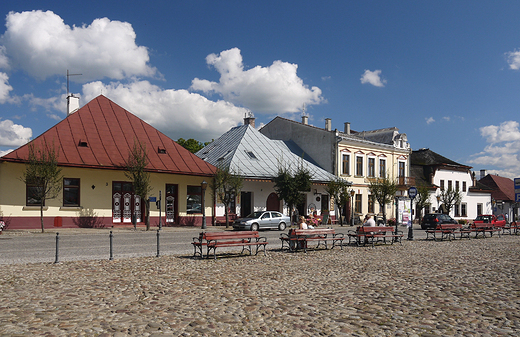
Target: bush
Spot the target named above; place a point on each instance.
(462, 221)
(87, 218)
(391, 222)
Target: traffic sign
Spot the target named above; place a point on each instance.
(412, 192)
(517, 189)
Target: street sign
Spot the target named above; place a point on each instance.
(153, 199)
(517, 189)
(412, 192)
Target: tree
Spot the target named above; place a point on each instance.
(338, 189)
(135, 166)
(191, 144)
(449, 198)
(42, 175)
(383, 190)
(422, 200)
(226, 185)
(289, 186)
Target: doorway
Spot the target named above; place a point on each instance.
(245, 204)
(125, 203)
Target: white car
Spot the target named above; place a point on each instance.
(262, 220)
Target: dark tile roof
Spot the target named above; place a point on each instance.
(426, 157)
(101, 134)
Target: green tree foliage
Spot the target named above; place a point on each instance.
(422, 200)
(338, 189)
(226, 186)
(383, 190)
(135, 166)
(289, 186)
(43, 174)
(449, 198)
(191, 144)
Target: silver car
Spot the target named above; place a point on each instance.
(262, 220)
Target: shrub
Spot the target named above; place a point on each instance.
(87, 218)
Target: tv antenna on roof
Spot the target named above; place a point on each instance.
(69, 75)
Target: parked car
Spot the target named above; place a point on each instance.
(262, 220)
(496, 220)
(431, 220)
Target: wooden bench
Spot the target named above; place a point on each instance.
(299, 238)
(368, 234)
(512, 228)
(213, 240)
(483, 228)
(447, 231)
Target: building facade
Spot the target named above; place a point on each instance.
(92, 145)
(359, 157)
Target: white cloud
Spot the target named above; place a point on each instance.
(41, 44)
(273, 89)
(177, 113)
(503, 151)
(4, 61)
(5, 88)
(13, 134)
(3, 153)
(373, 77)
(430, 120)
(513, 58)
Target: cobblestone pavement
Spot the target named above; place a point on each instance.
(422, 288)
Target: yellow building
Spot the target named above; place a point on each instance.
(354, 156)
(92, 145)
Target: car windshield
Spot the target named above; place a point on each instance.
(485, 218)
(255, 215)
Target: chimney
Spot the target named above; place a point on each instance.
(328, 124)
(305, 120)
(249, 121)
(347, 128)
(72, 104)
(482, 174)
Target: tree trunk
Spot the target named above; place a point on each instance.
(41, 214)
(147, 214)
(227, 216)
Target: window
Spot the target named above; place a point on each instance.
(194, 200)
(457, 210)
(463, 208)
(442, 184)
(463, 186)
(457, 187)
(359, 166)
(371, 167)
(450, 185)
(479, 209)
(382, 168)
(371, 203)
(345, 164)
(251, 154)
(70, 192)
(401, 169)
(357, 207)
(33, 194)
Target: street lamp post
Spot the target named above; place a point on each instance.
(352, 194)
(203, 187)
(438, 200)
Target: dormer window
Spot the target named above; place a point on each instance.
(161, 150)
(251, 154)
(82, 144)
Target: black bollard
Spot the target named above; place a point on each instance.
(111, 247)
(158, 231)
(57, 247)
(410, 232)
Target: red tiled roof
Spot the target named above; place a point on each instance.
(503, 188)
(107, 132)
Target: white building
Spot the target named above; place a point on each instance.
(437, 173)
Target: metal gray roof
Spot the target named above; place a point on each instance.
(251, 154)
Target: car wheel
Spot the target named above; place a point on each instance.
(281, 226)
(254, 227)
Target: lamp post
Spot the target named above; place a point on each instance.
(352, 194)
(203, 186)
(438, 200)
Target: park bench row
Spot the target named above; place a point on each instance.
(450, 231)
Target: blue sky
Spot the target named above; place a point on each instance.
(446, 73)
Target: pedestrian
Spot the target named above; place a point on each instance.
(369, 221)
